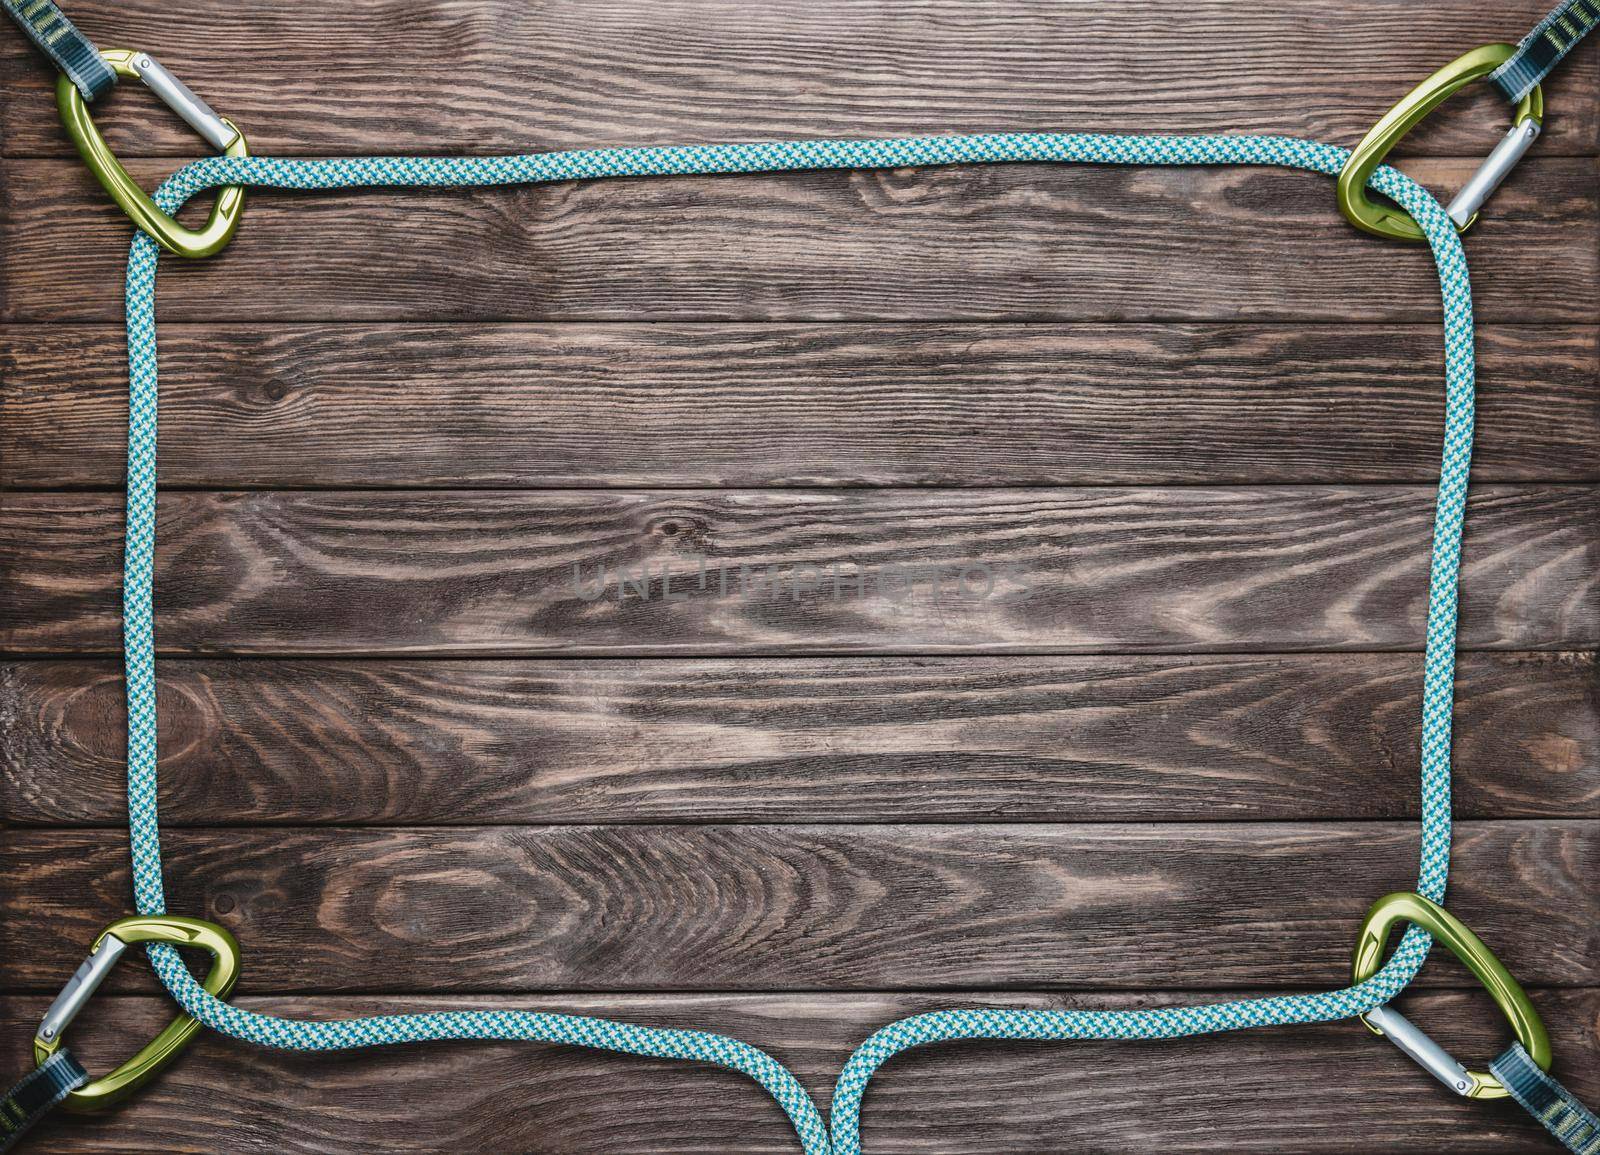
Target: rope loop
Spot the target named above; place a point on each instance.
(783, 156)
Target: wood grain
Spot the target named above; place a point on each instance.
(801, 740)
(958, 1098)
(994, 243)
(414, 769)
(808, 907)
(727, 405)
(511, 77)
(1269, 568)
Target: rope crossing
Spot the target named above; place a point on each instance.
(814, 1135)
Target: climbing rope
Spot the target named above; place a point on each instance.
(815, 1137)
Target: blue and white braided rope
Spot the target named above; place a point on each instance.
(814, 1135)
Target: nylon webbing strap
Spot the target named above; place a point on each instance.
(39, 1090)
(1543, 48)
(59, 39)
(1548, 1101)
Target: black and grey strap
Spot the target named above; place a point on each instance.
(1543, 48)
(1548, 1101)
(38, 1091)
(59, 39)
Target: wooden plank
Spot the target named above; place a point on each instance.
(1305, 1088)
(575, 74)
(1007, 242)
(715, 405)
(1271, 568)
(710, 908)
(798, 740)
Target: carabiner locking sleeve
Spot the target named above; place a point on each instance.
(157, 1053)
(1393, 222)
(1403, 906)
(218, 131)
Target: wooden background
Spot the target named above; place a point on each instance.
(1201, 416)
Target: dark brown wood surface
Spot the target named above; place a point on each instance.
(386, 405)
(1190, 416)
(802, 739)
(796, 571)
(887, 907)
(574, 74)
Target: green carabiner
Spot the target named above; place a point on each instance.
(1393, 222)
(217, 130)
(159, 1051)
(1508, 995)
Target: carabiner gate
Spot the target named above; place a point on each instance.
(103, 956)
(218, 131)
(1393, 222)
(1385, 1021)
